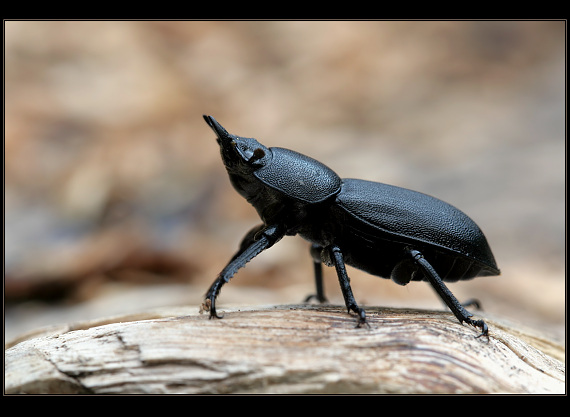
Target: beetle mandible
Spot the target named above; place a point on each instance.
(384, 230)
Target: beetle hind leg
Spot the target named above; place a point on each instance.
(448, 298)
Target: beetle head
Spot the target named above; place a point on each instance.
(240, 155)
(270, 178)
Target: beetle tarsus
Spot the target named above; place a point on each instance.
(213, 313)
(361, 318)
(481, 325)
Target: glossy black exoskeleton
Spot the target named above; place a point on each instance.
(387, 231)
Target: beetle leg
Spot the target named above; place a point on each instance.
(318, 266)
(344, 280)
(448, 298)
(256, 241)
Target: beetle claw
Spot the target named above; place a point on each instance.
(481, 325)
(361, 318)
(215, 315)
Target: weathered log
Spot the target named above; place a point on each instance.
(284, 349)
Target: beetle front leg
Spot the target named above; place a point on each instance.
(255, 241)
(338, 261)
(448, 298)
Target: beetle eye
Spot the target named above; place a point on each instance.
(251, 157)
(256, 156)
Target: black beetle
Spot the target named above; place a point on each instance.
(387, 231)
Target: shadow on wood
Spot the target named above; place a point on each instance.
(283, 349)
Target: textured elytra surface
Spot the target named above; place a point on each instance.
(415, 215)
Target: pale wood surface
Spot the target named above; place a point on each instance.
(283, 349)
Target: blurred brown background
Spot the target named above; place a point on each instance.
(116, 199)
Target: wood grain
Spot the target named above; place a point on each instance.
(283, 349)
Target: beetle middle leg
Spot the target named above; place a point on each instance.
(338, 261)
(437, 283)
(318, 267)
(255, 241)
